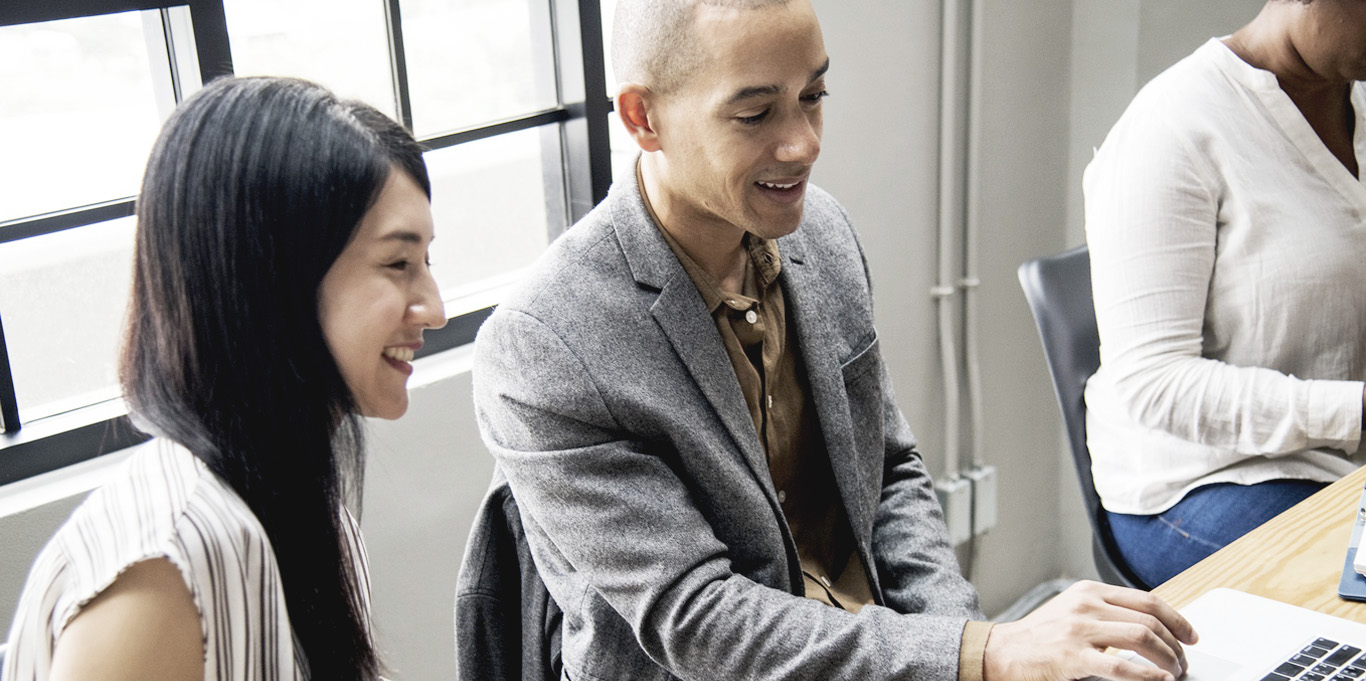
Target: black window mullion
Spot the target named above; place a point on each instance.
(24, 457)
(398, 62)
(211, 38)
(51, 223)
(9, 405)
(504, 127)
(15, 13)
(583, 72)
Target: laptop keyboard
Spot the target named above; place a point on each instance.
(1322, 660)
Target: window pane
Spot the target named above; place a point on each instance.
(477, 61)
(341, 44)
(62, 299)
(489, 203)
(624, 149)
(79, 112)
(608, 8)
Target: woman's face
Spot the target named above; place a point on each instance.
(379, 295)
(1332, 39)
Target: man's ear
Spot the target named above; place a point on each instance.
(635, 108)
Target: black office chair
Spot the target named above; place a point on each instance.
(1058, 289)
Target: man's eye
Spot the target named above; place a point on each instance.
(400, 265)
(755, 119)
(815, 97)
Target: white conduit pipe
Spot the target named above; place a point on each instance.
(944, 289)
(972, 236)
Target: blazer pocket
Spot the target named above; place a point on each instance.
(863, 385)
(862, 361)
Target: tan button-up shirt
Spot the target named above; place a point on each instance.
(763, 351)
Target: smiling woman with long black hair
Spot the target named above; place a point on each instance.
(281, 286)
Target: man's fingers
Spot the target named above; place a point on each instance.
(1116, 668)
(1143, 601)
(1137, 625)
(1141, 640)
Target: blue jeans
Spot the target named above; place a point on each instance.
(1157, 547)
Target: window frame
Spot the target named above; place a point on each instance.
(577, 172)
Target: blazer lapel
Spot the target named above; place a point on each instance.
(824, 372)
(682, 315)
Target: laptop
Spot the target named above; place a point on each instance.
(1250, 638)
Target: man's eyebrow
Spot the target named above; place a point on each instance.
(819, 72)
(754, 91)
(769, 90)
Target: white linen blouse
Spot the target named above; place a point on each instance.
(1228, 265)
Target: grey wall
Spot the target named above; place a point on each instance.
(879, 158)
(1057, 74)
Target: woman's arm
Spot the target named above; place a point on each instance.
(144, 626)
(1152, 210)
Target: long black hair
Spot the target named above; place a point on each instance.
(252, 191)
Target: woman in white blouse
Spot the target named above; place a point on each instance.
(280, 288)
(1226, 220)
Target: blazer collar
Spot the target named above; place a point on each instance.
(651, 261)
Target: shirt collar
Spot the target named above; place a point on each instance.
(763, 268)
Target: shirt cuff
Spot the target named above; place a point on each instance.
(1335, 409)
(972, 651)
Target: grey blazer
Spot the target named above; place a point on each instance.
(604, 392)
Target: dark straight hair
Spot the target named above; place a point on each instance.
(253, 189)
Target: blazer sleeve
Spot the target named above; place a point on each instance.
(600, 507)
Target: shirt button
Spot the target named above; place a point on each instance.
(751, 317)
(770, 401)
(826, 581)
(782, 496)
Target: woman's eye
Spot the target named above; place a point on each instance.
(400, 265)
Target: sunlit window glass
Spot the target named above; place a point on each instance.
(624, 149)
(62, 298)
(341, 44)
(477, 61)
(609, 9)
(78, 113)
(489, 203)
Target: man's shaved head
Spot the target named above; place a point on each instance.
(652, 40)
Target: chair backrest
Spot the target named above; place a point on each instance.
(1058, 289)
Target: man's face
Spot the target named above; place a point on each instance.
(739, 137)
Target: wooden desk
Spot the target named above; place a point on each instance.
(1295, 557)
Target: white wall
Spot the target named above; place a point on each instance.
(1058, 73)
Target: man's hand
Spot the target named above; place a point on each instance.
(1066, 638)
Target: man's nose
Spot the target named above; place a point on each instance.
(801, 142)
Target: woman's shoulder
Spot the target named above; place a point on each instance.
(1210, 76)
(1191, 113)
(163, 502)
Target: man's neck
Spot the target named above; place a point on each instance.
(718, 248)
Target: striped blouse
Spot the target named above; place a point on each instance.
(167, 503)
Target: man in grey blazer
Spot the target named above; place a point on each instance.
(688, 401)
